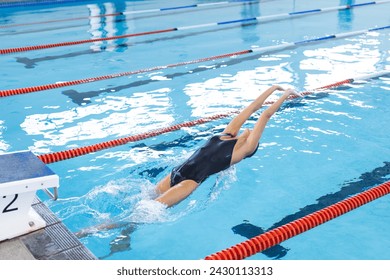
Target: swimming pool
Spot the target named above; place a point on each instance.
(315, 151)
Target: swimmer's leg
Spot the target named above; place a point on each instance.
(102, 227)
(164, 185)
(177, 193)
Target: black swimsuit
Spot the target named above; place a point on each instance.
(213, 157)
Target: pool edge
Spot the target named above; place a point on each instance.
(54, 242)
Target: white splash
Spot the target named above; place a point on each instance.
(149, 211)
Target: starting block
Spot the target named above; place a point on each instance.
(21, 175)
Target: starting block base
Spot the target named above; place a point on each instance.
(21, 175)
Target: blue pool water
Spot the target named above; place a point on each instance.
(314, 152)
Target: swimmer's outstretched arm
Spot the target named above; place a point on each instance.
(253, 137)
(235, 125)
(259, 127)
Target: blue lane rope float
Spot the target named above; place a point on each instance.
(342, 7)
(10, 92)
(76, 152)
(189, 6)
(129, 12)
(253, 19)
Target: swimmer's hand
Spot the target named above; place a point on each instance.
(292, 92)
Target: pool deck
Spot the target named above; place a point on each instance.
(54, 242)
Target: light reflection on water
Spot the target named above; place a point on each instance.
(116, 116)
(228, 91)
(359, 57)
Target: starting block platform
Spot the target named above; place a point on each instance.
(21, 175)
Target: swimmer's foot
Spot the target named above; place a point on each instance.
(85, 232)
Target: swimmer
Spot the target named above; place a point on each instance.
(220, 151)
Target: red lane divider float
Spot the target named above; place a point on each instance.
(273, 237)
(76, 152)
(10, 92)
(72, 43)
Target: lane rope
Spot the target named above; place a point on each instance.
(253, 19)
(76, 152)
(277, 235)
(132, 12)
(18, 91)
(73, 43)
